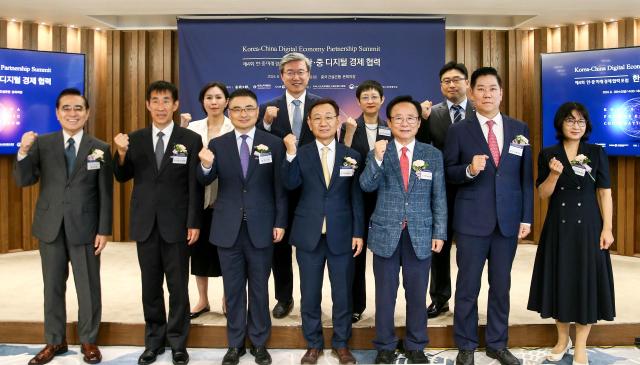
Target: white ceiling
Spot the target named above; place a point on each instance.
(145, 14)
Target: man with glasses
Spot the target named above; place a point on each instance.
(249, 216)
(409, 221)
(487, 155)
(327, 228)
(282, 116)
(455, 107)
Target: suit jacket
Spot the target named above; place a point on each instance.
(424, 205)
(340, 202)
(83, 201)
(434, 129)
(501, 195)
(169, 195)
(281, 126)
(260, 196)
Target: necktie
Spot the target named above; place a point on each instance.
(70, 155)
(404, 167)
(493, 143)
(244, 154)
(327, 179)
(296, 126)
(159, 149)
(457, 113)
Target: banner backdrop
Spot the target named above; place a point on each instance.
(404, 55)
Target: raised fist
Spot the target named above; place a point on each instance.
(270, 114)
(290, 142)
(27, 141)
(426, 109)
(555, 166)
(185, 119)
(206, 157)
(478, 163)
(122, 143)
(379, 148)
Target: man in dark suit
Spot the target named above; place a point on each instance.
(328, 226)
(166, 204)
(282, 116)
(361, 134)
(72, 220)
(493, 209)
(249, 216)
(455, 107)
(410, 221)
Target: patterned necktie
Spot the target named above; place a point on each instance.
(457, 113)
(404, 167)
(244, 155)
(159, 149)
(327, 179)
(70, 155)
(296, 126)
(493, 143)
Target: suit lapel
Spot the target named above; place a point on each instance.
(284, 108)
(81, 157)
(317, 164)
(561, 155)
(340, 153)
(58, 150)
(232, 151)
(417, 155)
(477, 135)
(392, 157)
(168, 151)
(253, 160)
(149, 148)
(508, 135)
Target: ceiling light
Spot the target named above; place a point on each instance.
(72, 26)
(612, 20)
(98, 29)
(13, 20)
(43, 23)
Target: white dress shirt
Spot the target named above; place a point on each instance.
(167, 134)
(250, 135)
(498, 128)
(290, 109)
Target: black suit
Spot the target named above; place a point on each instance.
(164, 203)
(434, 131)
(281, 127)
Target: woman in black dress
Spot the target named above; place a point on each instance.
(572, 277)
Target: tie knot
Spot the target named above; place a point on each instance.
(456, 108)
(160, 134)
(404, 150)
(490, 123)
(244, 137)
(325, 149)
(296, 102)
(71, 141)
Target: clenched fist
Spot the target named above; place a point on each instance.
(426, 109)
(27, 141)
(185, 119)
(290, 142)
(122, 143)
(270, 114)
(555, 166)
(350, 125)
(206, 157)
(478, 163)
(379, 148)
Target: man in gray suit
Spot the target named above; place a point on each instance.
(454, 84)
(72, 220)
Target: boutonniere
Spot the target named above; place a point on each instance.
(350, 162)
(260, 149)
(582, 161)
(179, 149)
(419, 165)
(96, 155)
(520, 140)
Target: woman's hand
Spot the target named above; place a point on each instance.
(606, 239)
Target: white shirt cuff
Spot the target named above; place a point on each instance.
(290, 157)
(267, 127)
(205, 170)
(21, 156)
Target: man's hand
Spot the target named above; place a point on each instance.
(27, 141)
(206, 157)
(350, 126)
(356, 244)
(436, 245)
(192, 235)
(380, 147)
(290, 143)
(278, 234)
(478, 163)
(270, 114)
(426, 109)
(524, 230)
(185, 119)
(555, 166)
(606, 239)
(99, 244)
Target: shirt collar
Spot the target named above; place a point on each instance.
(167, 130)
(463, 104)
(290, 98)
(251, 133)
(76, 137)
(399, 146)
(483, 120)
(332, 145)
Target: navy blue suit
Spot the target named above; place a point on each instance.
(487, 215)
(244, 214)
(341, 204)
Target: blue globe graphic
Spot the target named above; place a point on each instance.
(632, 106)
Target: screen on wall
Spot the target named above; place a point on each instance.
(607, 82)
(30, 82)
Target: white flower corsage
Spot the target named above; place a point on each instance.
(582, 161)
(179, 149)
(520, 140)
(419, 165)
(350, 162)
(96, 155)
(261, 148)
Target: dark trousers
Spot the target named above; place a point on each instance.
(440, 286)
(282, 262)
(245, 266)
(472, 252)
(415, 277)
(311, 264)
(159, 259)
(55, 257)
(359, 288)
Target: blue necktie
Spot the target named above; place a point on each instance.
(244, 155)
(457, 113)
(159, 149)
(70, 155)
(296, 126)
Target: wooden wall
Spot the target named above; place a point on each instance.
(121, 63)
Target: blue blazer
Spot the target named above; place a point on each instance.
(281, 126)
(341, 202)
(260, 196)
(424, 205)
(502, 195)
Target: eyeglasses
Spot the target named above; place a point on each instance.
(454, 80)
(248, 110)
(573, 122)
(299, 73)
(411, 119)
(327, 118)
(75, 108)
(370, 98)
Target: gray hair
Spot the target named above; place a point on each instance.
(294, 56)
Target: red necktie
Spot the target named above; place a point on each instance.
(404, 167)
(493, 143)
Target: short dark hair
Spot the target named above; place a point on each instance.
(322, 102)
(160, 86)
(485, 71)
(403, 99)
(564, 111)
(71, 91)
(208, 86)
(369, 85)
(452, 65)
(243, 92)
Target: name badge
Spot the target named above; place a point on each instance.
(579, 170)
(384, 131)
(93, 165)
(425, 175)
(515, 149)
(180, 160)
(346, 171)
(264, 158)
